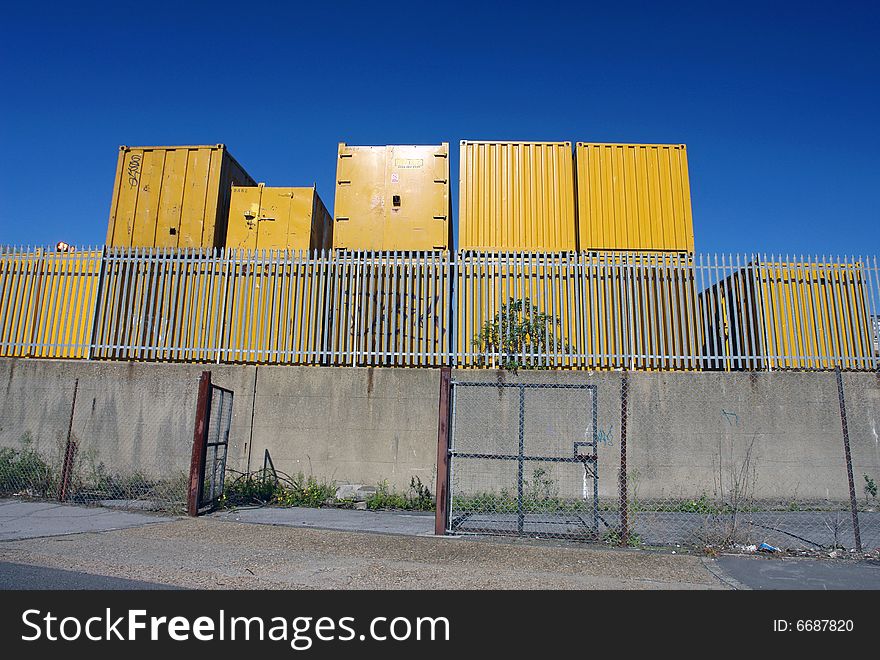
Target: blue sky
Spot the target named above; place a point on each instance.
(778, 103)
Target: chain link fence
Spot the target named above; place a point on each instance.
(741, 461)
(747, 461)
(861, 398)
(78, 442)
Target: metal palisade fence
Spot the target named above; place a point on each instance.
(626, 310)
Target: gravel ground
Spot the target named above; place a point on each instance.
(211, 553)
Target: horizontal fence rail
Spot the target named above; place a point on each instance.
(643, 311)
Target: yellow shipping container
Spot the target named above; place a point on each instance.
(603, 311)
(633, 197)
(788, 315)
(47, 302)
(175, 197)
(392, 198)
(268, 218)
(187, 305)
(516, 196)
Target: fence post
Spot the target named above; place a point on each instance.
(69, 451)
(849, 473)
(200, 439)
(441, 510)
(93, 327)
(622, 476)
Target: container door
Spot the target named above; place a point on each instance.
(137, 199)
(418, 200)
(244, 217)
(285, 219)
(273, 218)
(360, 198)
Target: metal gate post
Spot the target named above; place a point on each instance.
(200, 440)
(441, 510)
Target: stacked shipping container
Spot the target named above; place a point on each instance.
(634, 197)
(516, 196)
(393, 198)
(266, 218)
(788, 315)
(176, 197)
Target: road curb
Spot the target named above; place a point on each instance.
(719, 574)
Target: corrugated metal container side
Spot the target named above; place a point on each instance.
(633, 197)
(55, 295)
(173, 196)
(788, 315)
(270, 218)
(322, 225)
(605, 311)
(516, 196)
(393, 198)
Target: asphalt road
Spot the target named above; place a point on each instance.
(798, 574)
(24, 576)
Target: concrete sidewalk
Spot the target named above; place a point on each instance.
(408, 523)
(210, 553)
(24, 519)
(284, 548)
(319, 549)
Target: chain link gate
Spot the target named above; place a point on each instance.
(523, 460)
(210, 444)
(219, 422)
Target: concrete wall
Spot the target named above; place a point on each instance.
(128, 416)
(688, 433)
(772, 436)
(352, 425)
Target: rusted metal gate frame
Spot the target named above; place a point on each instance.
(195, 503)
(444, 523)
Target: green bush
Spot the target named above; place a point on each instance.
(417, 498)
(305, 492)
(612, 537)
(261, 488)
(517, 333)
(23, 471)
